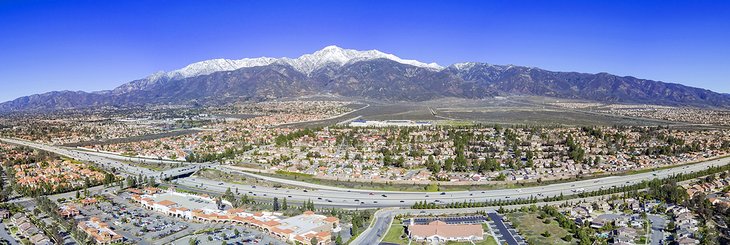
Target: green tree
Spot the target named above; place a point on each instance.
(276, 204)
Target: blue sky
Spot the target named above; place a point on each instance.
(97, 45)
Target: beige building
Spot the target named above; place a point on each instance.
(438, 231)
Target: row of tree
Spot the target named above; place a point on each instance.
(286, 139)
(4, 192)
(661, 189)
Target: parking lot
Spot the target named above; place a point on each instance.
(141, 226)
(504, 231)
(220, 233)
(135, 224)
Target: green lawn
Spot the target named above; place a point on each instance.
(531, 228)
(394, 234)
(488, 240)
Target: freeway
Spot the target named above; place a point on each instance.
(128, 158)
(334, 196)
(358, 198)
(110, 161)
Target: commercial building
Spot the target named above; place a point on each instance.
(439, 231)
(100, 231)
(300, 228)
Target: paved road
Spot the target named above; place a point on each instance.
(109, 161)
(6, 236)
(356, 198)
(657, 229)
(347, 197)
(99, 189)
(375, 233)
(127, 158)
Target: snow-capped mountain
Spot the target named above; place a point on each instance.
(365, 74)
(464, 65)
(338, 56)
(330, 55)
(215, 65)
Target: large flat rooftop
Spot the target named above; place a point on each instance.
(187, 201)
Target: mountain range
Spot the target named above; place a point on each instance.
(366, 74)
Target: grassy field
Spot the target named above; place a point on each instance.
(394, 234)
(454, 123)
(237, 179)
(488, 240)
(398, 187)
(532, 227)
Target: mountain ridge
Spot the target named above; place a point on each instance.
(369, 74)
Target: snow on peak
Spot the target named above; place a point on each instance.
(339, 56)
(465, 65)
(210, 66)
(306, 63)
